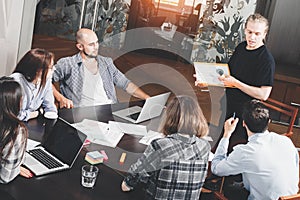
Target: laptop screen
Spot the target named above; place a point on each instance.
(63, 141)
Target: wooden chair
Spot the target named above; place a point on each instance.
(219, 194)
(285, 110)
(290, 197)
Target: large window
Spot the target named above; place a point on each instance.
(168, 2)
(178, 4)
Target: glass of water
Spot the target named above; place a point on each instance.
(88, 175)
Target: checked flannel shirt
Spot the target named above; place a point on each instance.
(70, 74)
(173, 167)
(10, 166)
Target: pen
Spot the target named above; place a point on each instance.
(233, 115)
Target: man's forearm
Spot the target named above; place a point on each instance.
(56, 93)
(261, 93)
(136, 91)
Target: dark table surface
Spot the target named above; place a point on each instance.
(67, 184)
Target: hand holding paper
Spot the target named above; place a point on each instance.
(209, 73)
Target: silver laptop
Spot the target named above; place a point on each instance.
(153, 107)
(58, 151)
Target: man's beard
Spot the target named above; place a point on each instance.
(89, 55)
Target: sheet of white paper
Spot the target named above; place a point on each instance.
(31, 144)
(131, 129)
(99, 132)
(151, 135)
(209, 72)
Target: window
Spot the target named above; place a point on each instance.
(168, 2)
(178, 5)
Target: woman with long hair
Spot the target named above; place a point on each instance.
(174, 167)
(13, 133)
(34, 72)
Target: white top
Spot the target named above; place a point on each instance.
(93, 91)
(269, 164)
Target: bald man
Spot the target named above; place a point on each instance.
(88, 79)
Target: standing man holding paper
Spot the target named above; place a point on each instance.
(252, 70)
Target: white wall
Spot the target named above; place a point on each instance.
(16, 29)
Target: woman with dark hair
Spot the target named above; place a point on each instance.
(13, 133)
(174, 167)
(34, 72)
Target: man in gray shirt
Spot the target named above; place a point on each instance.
(87, 79)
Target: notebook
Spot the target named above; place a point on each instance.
(58, 151)
(153, 107)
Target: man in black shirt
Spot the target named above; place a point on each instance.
(252, 70)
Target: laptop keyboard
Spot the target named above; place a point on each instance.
(135, 115)
(44, 158)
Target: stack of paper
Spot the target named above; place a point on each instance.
(108, 134)
(151, 135)
(131, 129)
(99, 132)
(94, 157)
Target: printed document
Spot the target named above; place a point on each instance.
(209, 72)
(128, 128)
(100, 132)
(151, 135)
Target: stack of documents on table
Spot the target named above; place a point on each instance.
(128, 128)
(108, 134)
(150, 136)
(100, 132)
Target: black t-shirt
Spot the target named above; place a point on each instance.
(253, 67)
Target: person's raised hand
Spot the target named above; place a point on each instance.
(229, 126)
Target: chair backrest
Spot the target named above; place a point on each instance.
(284, 109)
(290, 197)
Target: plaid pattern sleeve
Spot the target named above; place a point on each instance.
(111, 77)
(174, 167)
(70, 75)
(10, 166)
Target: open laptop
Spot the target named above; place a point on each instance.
(153, 107)
(58, 151)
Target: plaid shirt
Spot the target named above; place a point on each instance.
(70, 74)
(10, 166)
(173, 167)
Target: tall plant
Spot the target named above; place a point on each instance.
(111, 17)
